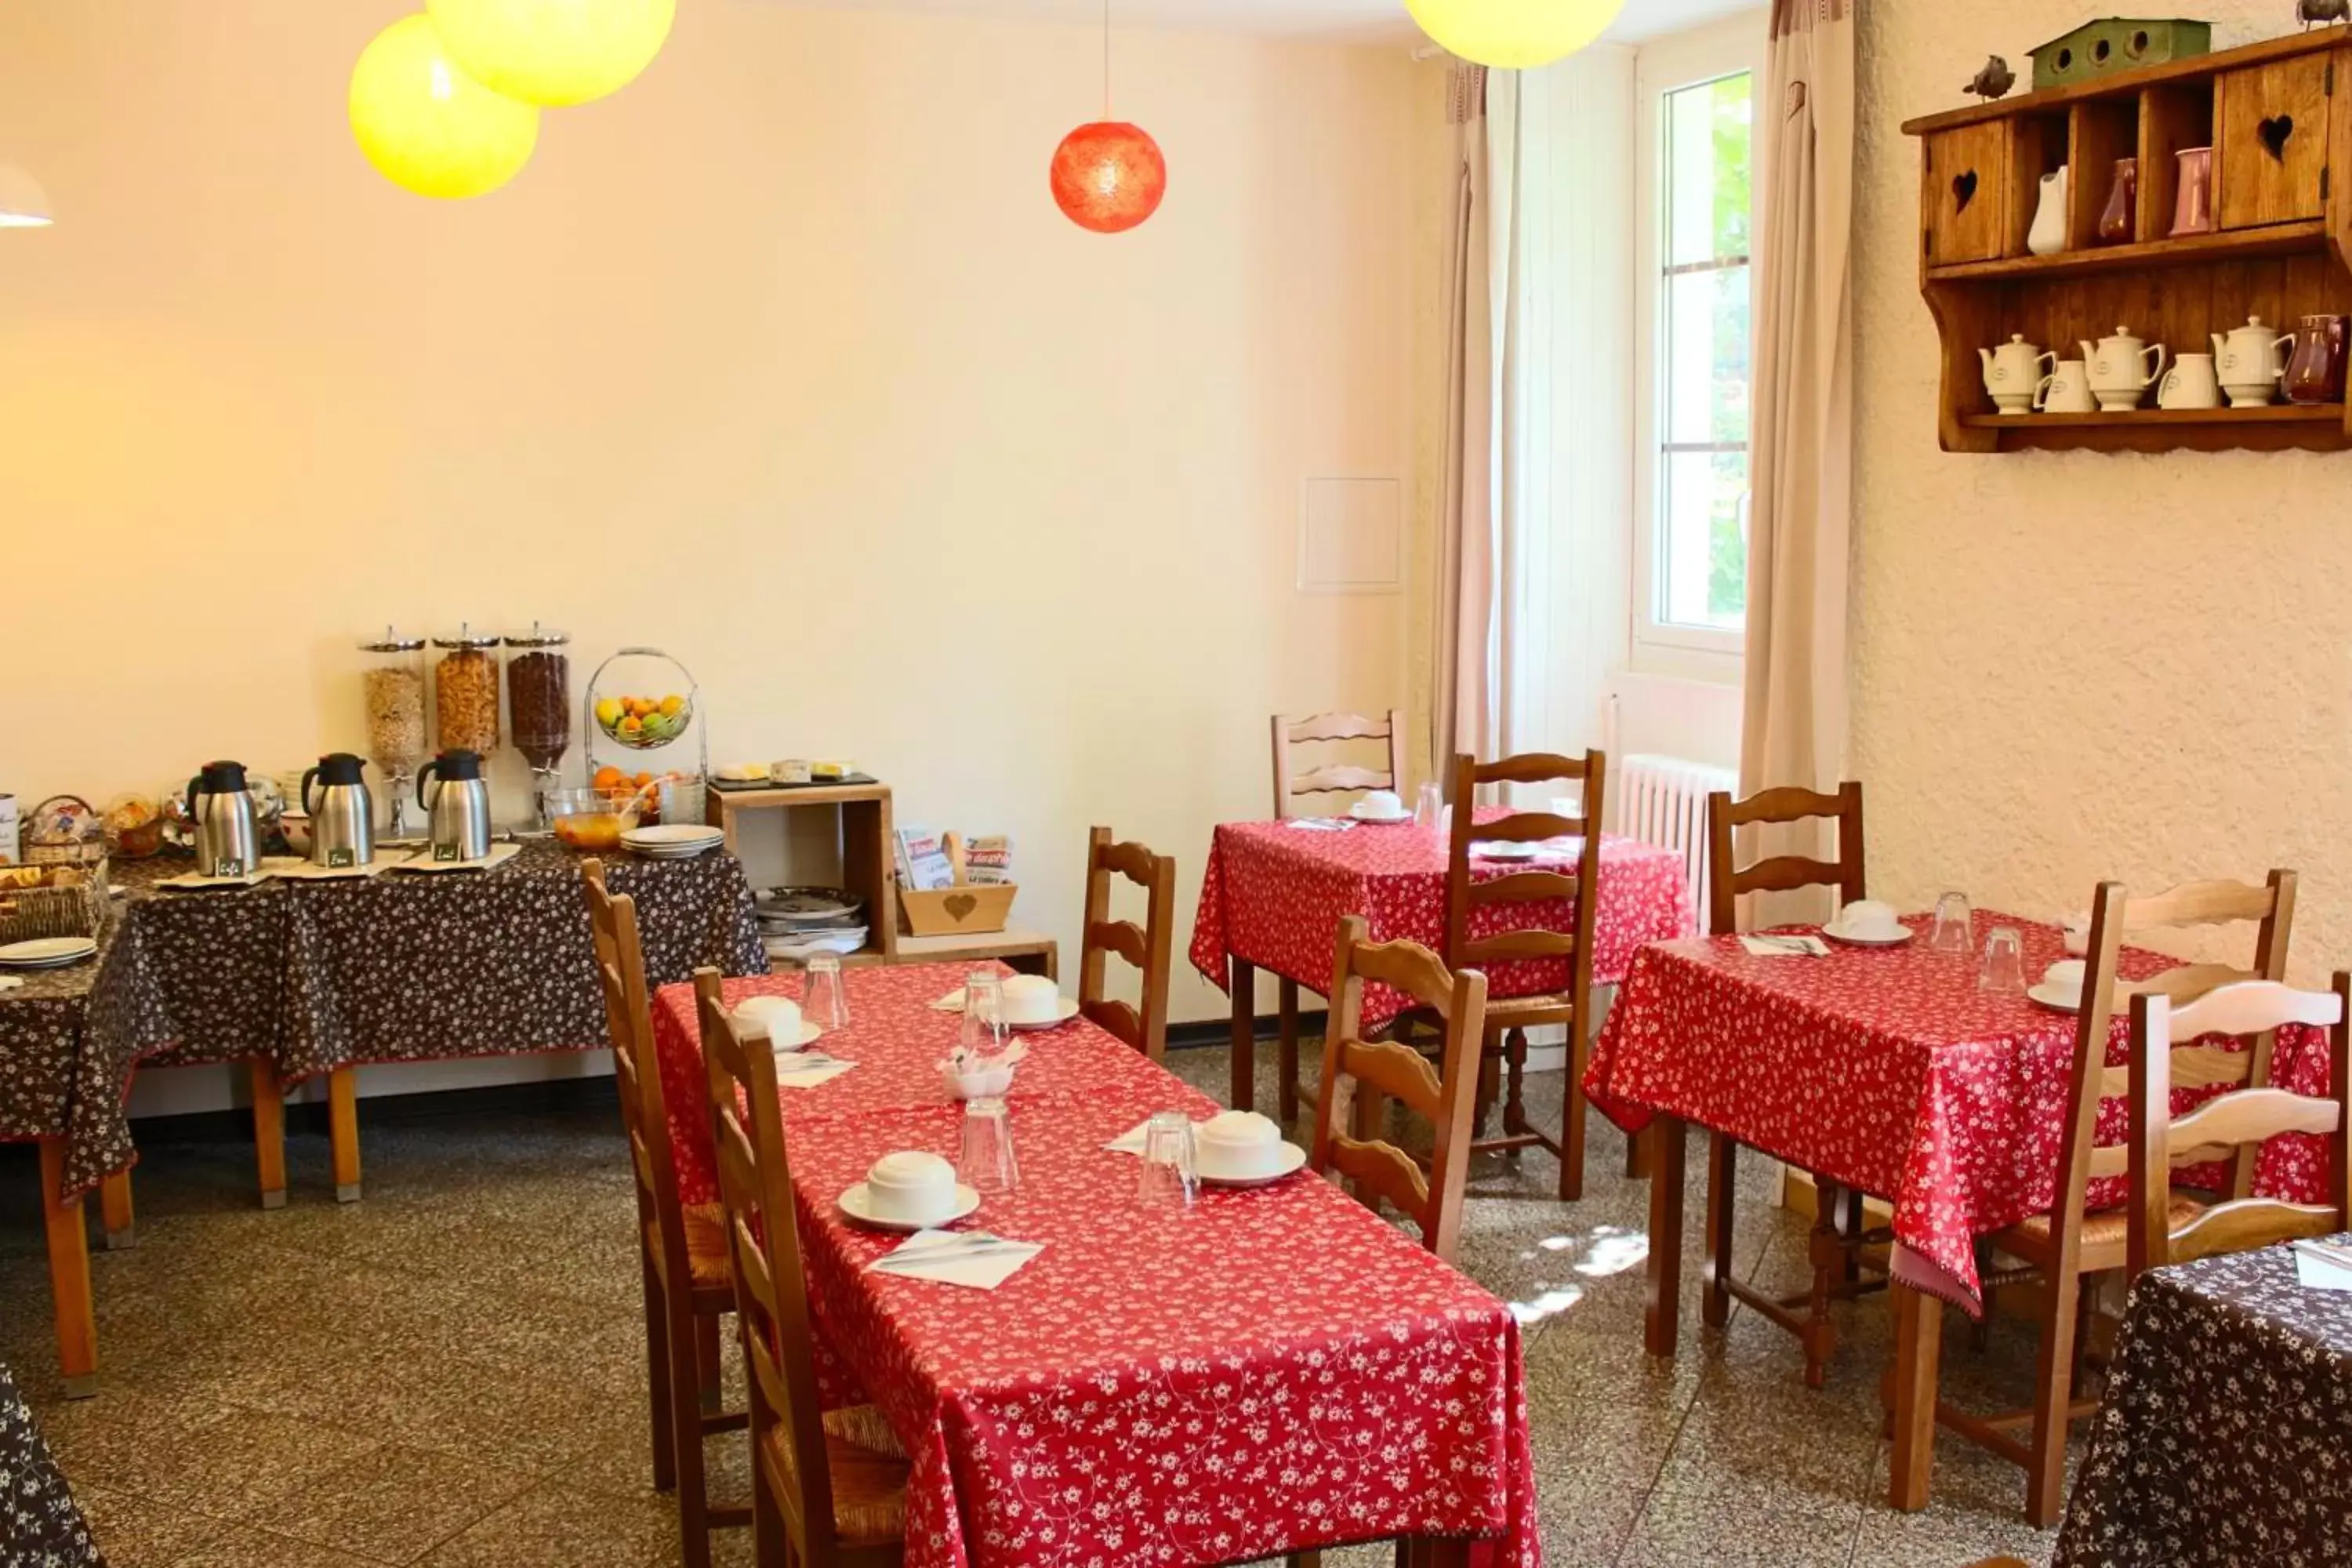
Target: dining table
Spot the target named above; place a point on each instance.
(40, 1524)
(2225, 1435)
(1273, 895)
(1260, 1372)
(1889, 1071)
(301, 979)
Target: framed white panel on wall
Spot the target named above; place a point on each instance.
(1350, 536)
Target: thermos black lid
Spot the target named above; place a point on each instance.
(222, 778)
(458, 762)
(340, 768)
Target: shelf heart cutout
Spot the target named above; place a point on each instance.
(2274, 130)
(1964, 190)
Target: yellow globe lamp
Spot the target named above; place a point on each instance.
(553, 53)
(426, 125)
(1513, 35)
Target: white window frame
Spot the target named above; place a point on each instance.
(1664, 65)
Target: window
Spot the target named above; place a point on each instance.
(1694, 278)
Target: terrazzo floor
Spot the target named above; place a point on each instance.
(451, 1373)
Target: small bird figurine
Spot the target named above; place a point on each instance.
(2323, 11)
(1997, 78)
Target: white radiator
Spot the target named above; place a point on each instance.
(1662, 801)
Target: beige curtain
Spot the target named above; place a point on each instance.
(1470, 699)
(1800, 510)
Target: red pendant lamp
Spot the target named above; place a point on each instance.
(1109, 175)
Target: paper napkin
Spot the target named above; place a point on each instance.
(1786, 946)
(2315, 1270)
(972, 1258)
(1131, 1140)
(1323, 824)
(950, 1003)
(806, 1070)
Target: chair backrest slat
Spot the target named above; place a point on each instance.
(1146, 946)
(755, 1182)
(1726, 879)
(1290, 783)
(1379, 1070)
(1467, 895)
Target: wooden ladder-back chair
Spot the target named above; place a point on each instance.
(828, 1487)
(686, 1287)
(1509, 1019)
(1445, 1097)
(2059, 1247)
(1321, 728)
(1145, 946)
(2168, 1224)
(1838, 1224)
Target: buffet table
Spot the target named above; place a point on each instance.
(39, 1523)
(1271, 1371)
(305, 978)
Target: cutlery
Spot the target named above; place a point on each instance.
(979, 1245)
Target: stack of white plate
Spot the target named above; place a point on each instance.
(799, 921)
(673, 841)
(47, 951)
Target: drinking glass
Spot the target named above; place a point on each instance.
(1170, 1178)
(987, 1165)
(1428, 805)
(984, 1014)
(2003, 974)
(823, 1002)
(1951, 932)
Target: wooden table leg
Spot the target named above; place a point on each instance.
(115, 1202)
(268, 1132)
(1918, 1341)
(69, 1275)
(1240, 976)
(1436, 1551)
(1664, 1319)
(343, 1133)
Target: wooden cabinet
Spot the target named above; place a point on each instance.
(2271, 144)
(2279, 250)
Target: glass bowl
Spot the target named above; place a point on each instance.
(589, 819)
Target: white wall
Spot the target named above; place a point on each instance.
(2071, 665)
(781, 360)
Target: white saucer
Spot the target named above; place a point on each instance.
(47, 951)
(1504, 850)
(809, 1033)
(852, 1204)
(1294, 1158)
(2055, 998)
(1362, 815)
(1897, 940)
(671, 836)
(1065, 1009)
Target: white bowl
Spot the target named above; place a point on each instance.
(1239, 1146)
(1380, 806)
(1868, 918)
(977, 1083)
(775, 1019)
(1031, 999)
(910, 1187)
(295, 826)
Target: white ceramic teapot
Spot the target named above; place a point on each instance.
(2122, 369)
(2013, 370)
(2249, 363)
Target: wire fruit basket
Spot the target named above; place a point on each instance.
(642, 711)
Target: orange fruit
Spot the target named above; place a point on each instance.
(608, 777)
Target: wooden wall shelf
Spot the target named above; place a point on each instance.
(2282, 249)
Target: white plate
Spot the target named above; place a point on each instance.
(692, 852)
(852, 1204)
(1064, 1009)
(1294, 1158)
(2056, 998)
(1897, 940)
(1504, 850)
(48, 950)
(671, 836)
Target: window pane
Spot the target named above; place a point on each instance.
(1707, 171)
(1703, 539)
(1706, 381)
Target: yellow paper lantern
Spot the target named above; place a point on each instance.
(553, 53)
(429, 127)
(1514, 34)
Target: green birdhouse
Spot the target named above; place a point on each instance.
(2117, 44)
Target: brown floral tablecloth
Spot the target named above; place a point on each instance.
(39, 1525)
(2226, 1435)
(316, 975)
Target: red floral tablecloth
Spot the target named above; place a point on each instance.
(1887, 1070)
(1274, 1370)
(1274, 895)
